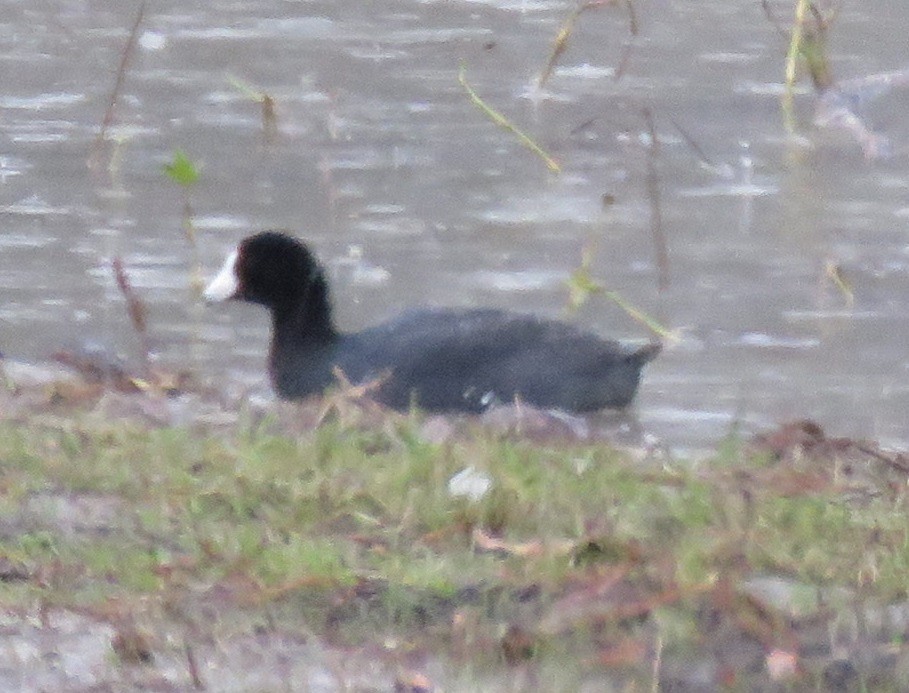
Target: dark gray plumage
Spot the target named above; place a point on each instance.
(436, 359)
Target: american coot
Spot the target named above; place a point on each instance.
(437, 359)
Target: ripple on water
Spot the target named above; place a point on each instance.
(161, 276)
(730, 58)
(41, 101)
(225, 121)
(35, 206)
(768, 341)
(152, 40)
(396, 226)
(221, 222)
(129, 131)
(407, 37)
(724, 189)
(768, 88)
(585, 71)
(687, 415)
(295, 27)
(12, 166)
(528, 280)
(377, 54)
(523, 6)
(25, 240)
(34, 130)
(847, 313)
(550, 208)
(19, 314)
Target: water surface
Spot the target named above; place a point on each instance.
(411, 195)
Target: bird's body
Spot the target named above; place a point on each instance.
(435, 359)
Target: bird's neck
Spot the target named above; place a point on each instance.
(304, 321)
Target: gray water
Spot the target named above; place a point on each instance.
(412, 196)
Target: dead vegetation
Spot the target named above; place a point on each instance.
(331, 533)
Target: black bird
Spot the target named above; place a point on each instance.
(436, 359)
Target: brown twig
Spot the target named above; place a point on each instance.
(565, 31)
(189, 229)
(193, 667)
(691, 142)
(269, 114)
(632, 18)
(135, 308)
(656, 211)
(629, 43)
(624, 59)
(269, 119)
(118, 84)
(768, 12)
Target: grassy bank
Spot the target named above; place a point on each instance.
(776, 563)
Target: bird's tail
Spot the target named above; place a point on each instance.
(643, 355)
